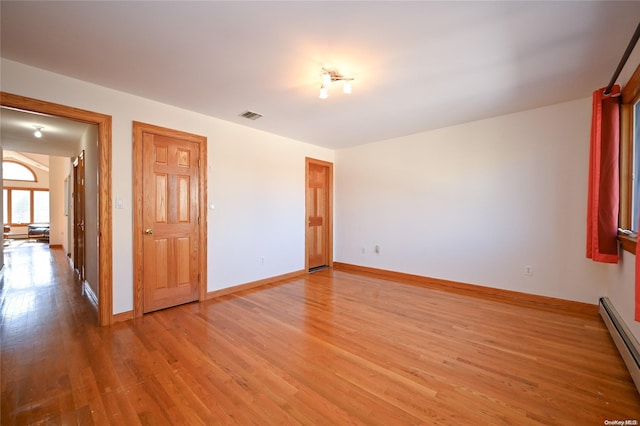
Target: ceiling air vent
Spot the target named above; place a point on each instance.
(250, 115)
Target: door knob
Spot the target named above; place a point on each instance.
(148, 231)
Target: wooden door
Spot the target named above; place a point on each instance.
(319, 190)
(78, 216)
(170, 218)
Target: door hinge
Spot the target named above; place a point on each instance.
(198, 220)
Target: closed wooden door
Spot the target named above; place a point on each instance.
(78, 216)
(170, 221)
(319, 240)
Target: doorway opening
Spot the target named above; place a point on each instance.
(104, 230)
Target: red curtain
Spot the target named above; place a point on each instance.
(603, 200)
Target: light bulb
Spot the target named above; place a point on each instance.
(347, 87)
(323, 93)
(38, 133)
(326, 79)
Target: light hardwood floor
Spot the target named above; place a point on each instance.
(329, 348)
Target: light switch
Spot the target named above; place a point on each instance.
(119, 203)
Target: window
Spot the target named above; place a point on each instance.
(41, 206)
(630, 160)
(23, 206)
(20, 203)
(16, 171)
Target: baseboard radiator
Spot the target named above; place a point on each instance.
(625, 341)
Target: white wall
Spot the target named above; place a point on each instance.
(58, 172)
(476, 203)
(89, 144)
(255, 181)
(621, 291)
(473, 203)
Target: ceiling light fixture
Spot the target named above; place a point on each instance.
(38, 132)
(324, 93)
(330, 76)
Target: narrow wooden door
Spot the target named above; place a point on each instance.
(170, 221)
(319, 244)
(78, 216)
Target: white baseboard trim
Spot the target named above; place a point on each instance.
(86, 288)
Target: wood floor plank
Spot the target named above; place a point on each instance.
(333, 347)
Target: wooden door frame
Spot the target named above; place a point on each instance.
(329, 248)
(105, 237)
(138, 223)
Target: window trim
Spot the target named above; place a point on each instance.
(629, 97)
(31, 190)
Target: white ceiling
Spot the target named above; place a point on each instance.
(417, 65)
(60, 136)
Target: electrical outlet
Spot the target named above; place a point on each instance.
(377, 249)
(528, 271)
(362, 250)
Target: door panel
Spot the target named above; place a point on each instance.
(170, 221)
(319, 244)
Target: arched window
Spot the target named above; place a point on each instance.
(12, 170)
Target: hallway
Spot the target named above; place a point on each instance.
(42, 311)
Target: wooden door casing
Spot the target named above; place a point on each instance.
(104, 166)
(319, 208)
(170, 222)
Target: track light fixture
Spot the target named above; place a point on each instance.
(331, 76)
(38, 132)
